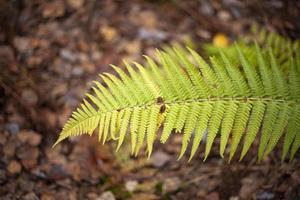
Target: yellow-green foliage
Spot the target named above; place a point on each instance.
(236, 100)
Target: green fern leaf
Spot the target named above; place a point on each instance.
(231, 98)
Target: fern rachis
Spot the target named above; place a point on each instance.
(184, 93)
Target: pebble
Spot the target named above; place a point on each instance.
(53, 9)
(265, 196)
(77, 71)
(57, 172)
(22, 44)
(30, 196)
(171, 184)
(3, 139)
(159, 159)
(28, 156)
(14, 167)
(152, 34)
(29, 97)
(47, 197)
(206, 9)
(224, 15)
(9, 150)
(76, 4)
(213, 196)
(25, 185)
(108, 33)
(30, 137)
(249, 185)
(131, 185)
(68, 55)
(106, 196)
(148, 19)
(12, 128)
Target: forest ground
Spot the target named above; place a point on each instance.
(50, 51)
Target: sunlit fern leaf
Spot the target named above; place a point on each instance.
(201, 128)
(239, 126)
(134, 125)
(279, 126)
(254, 125)
(191, 123)
(201, 100)
(292, 129)
(142, 130)
(271, 113)
(296, 145)
(152, 127)
(214, 125)
(227, 124)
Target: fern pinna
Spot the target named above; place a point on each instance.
(181, 92)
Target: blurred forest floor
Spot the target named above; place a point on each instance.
(50, 51)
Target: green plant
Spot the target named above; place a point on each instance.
(283, 48)
(235, 99)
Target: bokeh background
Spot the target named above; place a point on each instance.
(50, 51)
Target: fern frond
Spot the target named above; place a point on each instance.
(234, 99)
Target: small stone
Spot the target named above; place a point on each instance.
(22, 44)
(224, 15)
(30, 196)
(133, 47)
(148, 18)
(14, 167)
(29, 97)
(131, 185)
(96, 55)
(202, 193)
(77, 71)
(3, 139)
(76, 4)
(30, 137)
(206, 9)
(204, 34)
(250, 185)
(7, 58)
(108, 33)
(106, 196)
(159, 159)
(67, 55)
(152, 34)
(25, 185)
(12, 128)
(28, 156)
(50, 118)
(213, 196)
(92, 195)
(89, 67)
(57, 172)
(9, 150)
(47, 197)
(54, 9)
(171, 184)
(265, 196)
(34, 61)
(62, 194)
